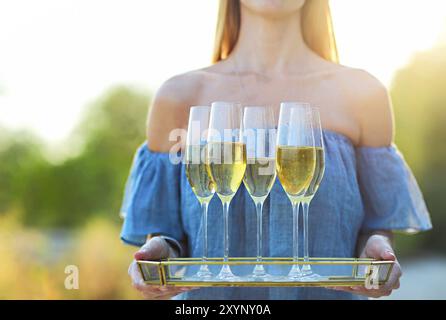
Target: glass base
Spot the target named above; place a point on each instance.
(259, 273)
(308, 274)
(306, 270)
(312, 277)
(204, 273)
(226, 274)
(295, 273)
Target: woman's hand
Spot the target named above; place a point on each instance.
(378, 247)
(156, 248)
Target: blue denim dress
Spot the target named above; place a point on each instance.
(363, 188)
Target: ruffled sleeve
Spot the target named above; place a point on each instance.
(151, 203)
(391, 196)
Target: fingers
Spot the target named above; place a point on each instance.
(151, 292)
(134, 273)
(378, 247)
(394, 279)
(386, 254)
(362, 291)
(393, 283)
(154, 293)
(155, 249)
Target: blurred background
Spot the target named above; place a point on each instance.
(76, 78)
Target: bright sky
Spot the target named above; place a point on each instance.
(58, 55)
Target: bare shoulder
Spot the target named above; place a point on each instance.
(362, 83)
(369, 102)
(181, 87)
(170, 108)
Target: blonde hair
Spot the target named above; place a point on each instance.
(317, 29)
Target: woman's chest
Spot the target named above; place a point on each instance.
(327, 94)
(336, 210)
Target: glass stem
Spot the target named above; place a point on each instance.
(259, 209)
(296, 231)
(305, 209)
(226, 230)
(204, 208)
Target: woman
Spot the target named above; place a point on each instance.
(267, 52)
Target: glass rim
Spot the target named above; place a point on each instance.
(199, 107)
(295, 104)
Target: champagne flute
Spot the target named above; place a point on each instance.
(314, 186)
(296, 160)
(260, 135)
(226, 163)
(197, 174)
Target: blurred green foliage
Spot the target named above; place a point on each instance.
(90, 183)
(419, 96)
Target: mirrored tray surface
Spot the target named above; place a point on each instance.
(329, 271)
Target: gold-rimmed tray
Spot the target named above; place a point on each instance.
(331, 271)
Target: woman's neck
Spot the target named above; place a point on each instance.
(270, 45)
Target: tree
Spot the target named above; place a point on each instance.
(419, 97)
(20, 153)
(90, 183)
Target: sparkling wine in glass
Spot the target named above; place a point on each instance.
(295, 162)
(260, 139)
(226, 163)
(197, 173)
